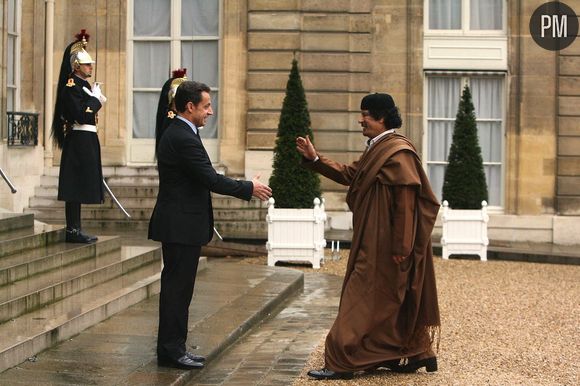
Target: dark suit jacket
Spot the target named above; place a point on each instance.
(183, 212)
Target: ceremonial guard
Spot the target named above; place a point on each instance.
(74, 129)
(166, 105)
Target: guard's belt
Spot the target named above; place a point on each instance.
(92, 128)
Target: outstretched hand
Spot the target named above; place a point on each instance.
(306, 148)
(261, 191)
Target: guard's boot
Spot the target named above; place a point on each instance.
(75, 236)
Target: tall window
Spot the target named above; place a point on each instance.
(12, 67)
(443, 95)
(466, 15)
(168, 35)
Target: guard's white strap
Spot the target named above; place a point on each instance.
(92, 128)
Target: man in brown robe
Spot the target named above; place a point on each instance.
(388, 314)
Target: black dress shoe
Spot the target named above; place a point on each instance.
(184, 362)
(430, 365)
(329, 374)
(196, 358)
(75, 236)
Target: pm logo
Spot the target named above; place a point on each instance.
(554, 26)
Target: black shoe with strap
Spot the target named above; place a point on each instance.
(329, 374)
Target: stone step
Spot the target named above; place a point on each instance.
(24, 239)
(38, 290)
(127, 202)
(132, 181)
(57, 215)
(13, 221)
(133, 278)
(229, 301)
(20, 265)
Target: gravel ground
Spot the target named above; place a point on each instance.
(503, 323)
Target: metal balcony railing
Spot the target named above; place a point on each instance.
(22, 128)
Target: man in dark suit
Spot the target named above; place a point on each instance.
(183, 219)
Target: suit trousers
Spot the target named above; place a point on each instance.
(177, 282)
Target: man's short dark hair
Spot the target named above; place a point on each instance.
(381, 105)
(189, 91)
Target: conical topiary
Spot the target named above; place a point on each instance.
(464, 186)
(293, 186)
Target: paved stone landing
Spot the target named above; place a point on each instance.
(229, 299)
(274, 353)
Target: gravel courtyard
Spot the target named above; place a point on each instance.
(503, 323)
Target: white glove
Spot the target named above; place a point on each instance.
(98, 93)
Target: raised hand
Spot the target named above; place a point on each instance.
(306, 148)
(261, 191)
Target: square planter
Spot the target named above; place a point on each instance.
(464, 231)
(296, 234)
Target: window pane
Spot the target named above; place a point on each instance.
(10, 79)
(150, 64)
(489, 136)
(201, 60)
(444, 14)
(436, 175)
(210, 129)
(151, 18)
(199, 17)
(12, 16)
(444, 94)
(144, 114)
(487, 97)
(486, 15)
(10, 99)
(493, 180)
(440, 136)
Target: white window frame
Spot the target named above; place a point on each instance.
(464, 76)
(212, 145)
(465, 23)
(17, 41)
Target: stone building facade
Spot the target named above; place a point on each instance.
(528, 96)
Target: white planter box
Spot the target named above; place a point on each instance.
(464, 231)
(296, 234)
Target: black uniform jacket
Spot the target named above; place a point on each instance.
(81, 175)
(183, 212)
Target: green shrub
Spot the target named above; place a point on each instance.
(293, 186)
(464, 186)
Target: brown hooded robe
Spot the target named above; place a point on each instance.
(387, 311)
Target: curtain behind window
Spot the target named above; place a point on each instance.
(443, 100)
(444, 14)
(486, 15)
(487, 100)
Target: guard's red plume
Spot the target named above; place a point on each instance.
(179, 73)
(81, 35)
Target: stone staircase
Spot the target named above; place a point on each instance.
(51, 290)
(136, 188)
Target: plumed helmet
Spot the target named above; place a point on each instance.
(78, 54)
(179, 76)
(164, 105)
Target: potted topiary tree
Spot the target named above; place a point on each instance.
(464, 188)
(295, 228)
